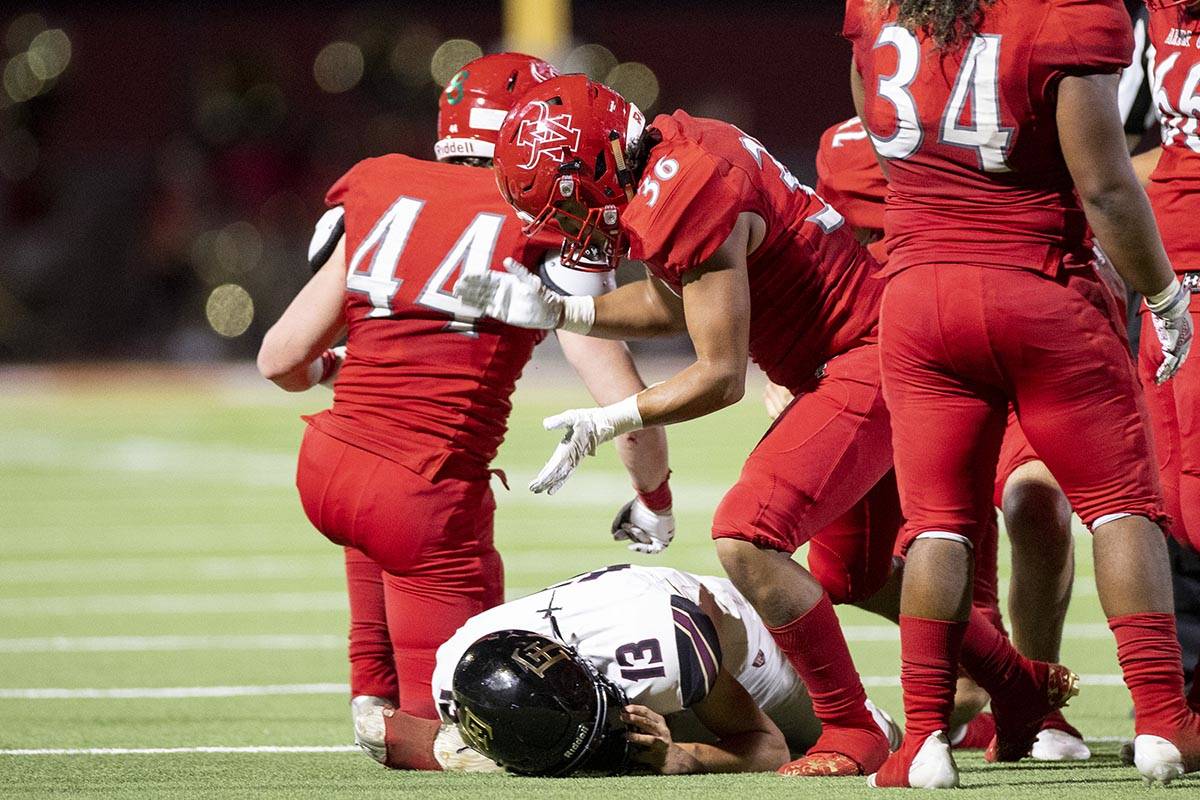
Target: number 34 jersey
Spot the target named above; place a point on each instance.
(1175, 184)
(976, 172)
(658, 633)
(425, 378)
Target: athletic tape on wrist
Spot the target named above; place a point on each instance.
(579, 314)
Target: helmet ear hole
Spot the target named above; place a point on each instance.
(512, 82)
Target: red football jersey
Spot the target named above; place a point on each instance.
(1175, 184)
(812, 288)
(425, 378)
(849, 175)
(976, 172)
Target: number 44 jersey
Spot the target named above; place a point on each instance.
(426, 378)
(659, 634)
(970, 132)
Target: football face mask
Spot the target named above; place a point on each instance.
(561, 158)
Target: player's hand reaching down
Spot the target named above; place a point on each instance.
(518, 297)
(1173, 326)
(653, 745)
(585, 430)
(646, 530)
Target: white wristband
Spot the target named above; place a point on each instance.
(1158, 303)
(579, 314)
(624, 415)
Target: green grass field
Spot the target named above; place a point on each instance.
(152, 539)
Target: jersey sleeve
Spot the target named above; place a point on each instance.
(698, 650)
(1086, 37)
(680, 225)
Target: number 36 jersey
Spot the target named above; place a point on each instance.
(812, 293)
(976, 172)
(425, 379)
(658, 633)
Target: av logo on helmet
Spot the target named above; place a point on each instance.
(475, 731)
(546, 135)
(538, 658)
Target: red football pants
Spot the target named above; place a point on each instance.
(433, 543)
(1175, 425)
(813, 476)
(959, 343)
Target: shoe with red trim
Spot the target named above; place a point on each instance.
(919, 764)
(1018, 724)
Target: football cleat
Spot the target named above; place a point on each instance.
(842, 752)
(1017, 728)
(932, 767)
(1157, 759)
(1052, 744)
(366, 713)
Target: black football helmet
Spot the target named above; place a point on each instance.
(536, 707)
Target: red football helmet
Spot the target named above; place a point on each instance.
(561, 157)
(477, 98)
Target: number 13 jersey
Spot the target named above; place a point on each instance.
(425, 379)
(658, 633)
(976, 173)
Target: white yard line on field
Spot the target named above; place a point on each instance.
(137, 604)
(146, 644)
(271, 690)
(175, 692)
(172, 569)
(159, 751)
(227, 463)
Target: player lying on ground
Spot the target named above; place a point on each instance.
(1003, 141)
(621, 669)
(749, 262)
(397, 471)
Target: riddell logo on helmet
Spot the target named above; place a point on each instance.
(547, 136)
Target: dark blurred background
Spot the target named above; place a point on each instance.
(162, 165)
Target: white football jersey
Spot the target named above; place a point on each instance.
(659, 634)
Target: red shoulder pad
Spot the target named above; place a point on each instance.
(1084, 37)
(685, 209)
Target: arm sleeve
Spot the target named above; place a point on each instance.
(330, 228)
(693, 215)
(698, 648)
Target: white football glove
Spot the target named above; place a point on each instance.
(1173, 326)
(586, 429)
(518, 297)
(649, 532)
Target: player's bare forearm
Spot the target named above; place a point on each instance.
(640, 310)
(701, 389)
(313, 321)
(1093, 143)
(752, 751)
(747, 739)
(606, 367)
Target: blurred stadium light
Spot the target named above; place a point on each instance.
(151, 155)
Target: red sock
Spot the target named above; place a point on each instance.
(816, 648)
(1151, 663)
(991, 659)
(929, 653)
(372, 666)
